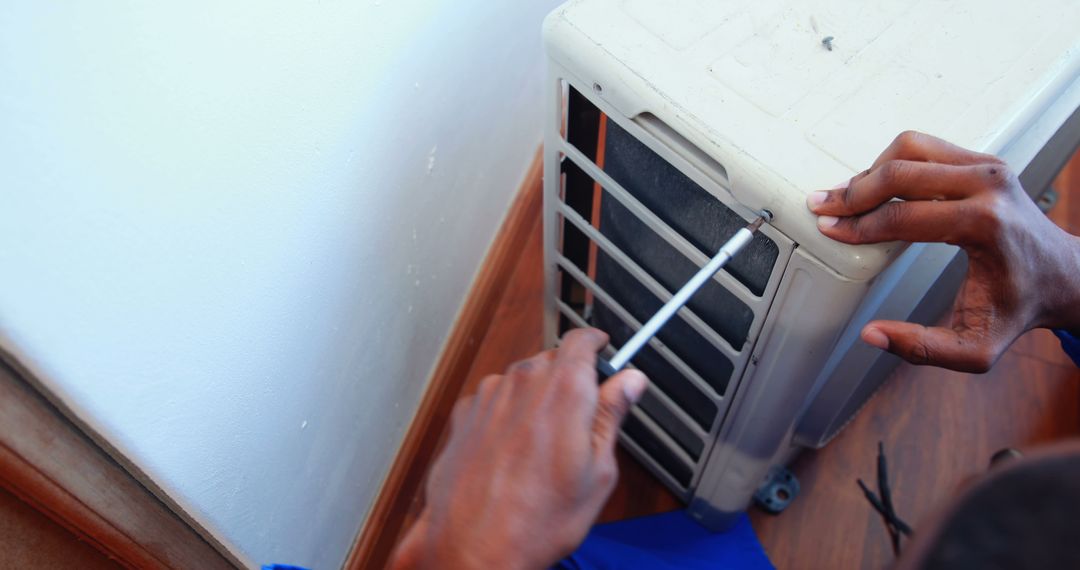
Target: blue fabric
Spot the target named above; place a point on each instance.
(1070, 344)
(668, 541)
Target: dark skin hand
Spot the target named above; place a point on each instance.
(1023, 271)
(530, 458)
(529, 463)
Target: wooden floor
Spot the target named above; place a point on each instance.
(29, 539)
(939, 429)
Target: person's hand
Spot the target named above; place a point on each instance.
(528, 465)
(1023, 271)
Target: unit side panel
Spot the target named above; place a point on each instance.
(811, 308)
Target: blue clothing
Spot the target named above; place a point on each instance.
(673, 540)
(1070, 344)
(668, 541)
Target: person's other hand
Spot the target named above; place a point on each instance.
(528, 465)
(1023, 271)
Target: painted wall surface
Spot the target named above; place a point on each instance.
(234, 235)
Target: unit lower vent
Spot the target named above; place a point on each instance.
(632, 228)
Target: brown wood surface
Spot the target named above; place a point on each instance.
(939, 428)
(48, 463)
(29, 539)
(1067, 211)
(514, 336)
(405, 478)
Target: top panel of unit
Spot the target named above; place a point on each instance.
(755, 85)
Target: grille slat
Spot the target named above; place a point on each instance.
(702, 357)
(628, 320)
(672, 425)
(633, 228)
(658, 289)
(669, 234)
(718, 307)
(660, 406)
(685, 206)
(639, 433)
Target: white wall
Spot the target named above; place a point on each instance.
(234, 235)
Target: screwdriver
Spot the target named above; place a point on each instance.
(608, 368)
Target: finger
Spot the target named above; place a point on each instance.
(488, 386)
(528, 379)
(573, 374)
(921, 147)
(576, 356)
(531, 366)
(617, 395)
(937, 346)
(461, 413)
(903, 179)
(901, 221)
(492, 391)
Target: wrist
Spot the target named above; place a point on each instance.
(430, 546)
(1062, 290)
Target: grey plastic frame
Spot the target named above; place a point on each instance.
(768, 388)
(759, 427)
(556, 149)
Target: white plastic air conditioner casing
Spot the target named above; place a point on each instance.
(745, 99)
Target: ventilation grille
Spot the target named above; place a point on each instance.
(633, 227)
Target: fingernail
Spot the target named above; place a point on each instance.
(827, 221)
(875, 337)
(816, 198)
(633, 385)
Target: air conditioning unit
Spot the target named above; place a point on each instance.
(672, 122)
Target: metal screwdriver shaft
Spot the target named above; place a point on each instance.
(680, 298)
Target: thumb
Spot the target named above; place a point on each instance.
(617, 395)
(964, 351)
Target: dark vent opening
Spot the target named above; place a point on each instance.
(679, 337)
(651, 404)
(662, 376)
(582, 124)
(661, 453)
(577, 193)
(688, 208)
(721, 309)
(661, 373)
(572, 292)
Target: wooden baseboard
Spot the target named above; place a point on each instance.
(49, 463)
(390, 512)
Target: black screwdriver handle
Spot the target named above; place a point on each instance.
(604, 369)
